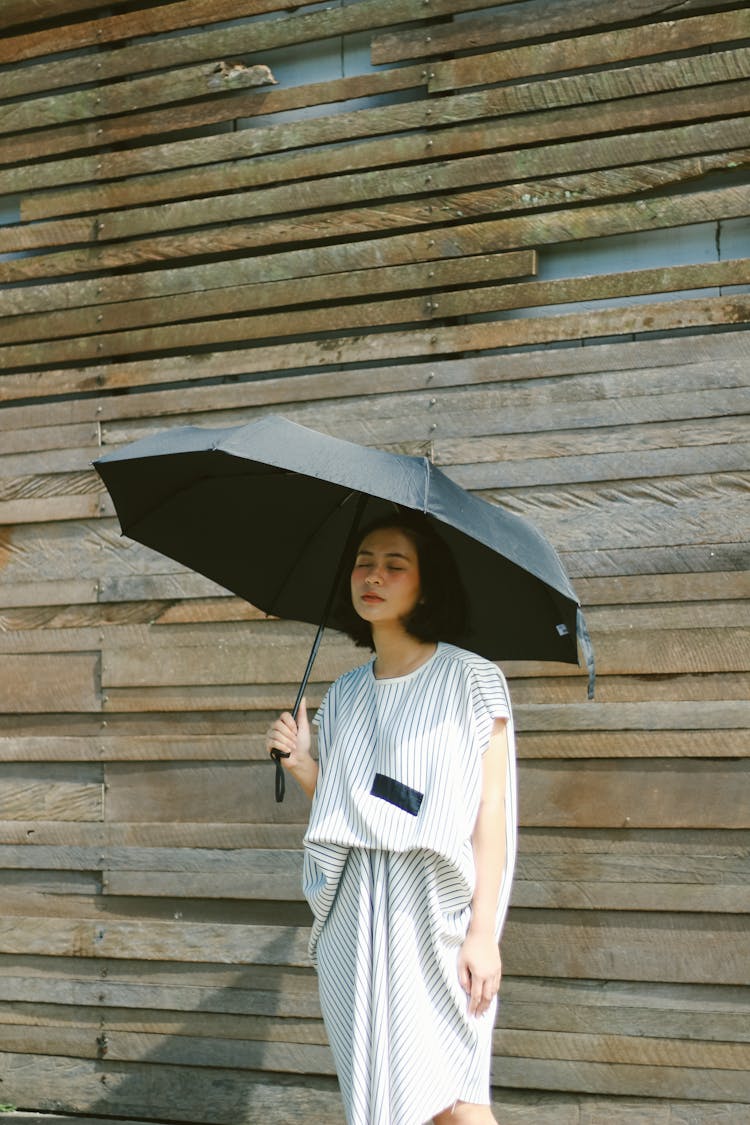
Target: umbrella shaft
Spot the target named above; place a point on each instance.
(280, 786)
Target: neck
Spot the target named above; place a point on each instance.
(397, 652)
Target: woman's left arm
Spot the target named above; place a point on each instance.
(479, 966)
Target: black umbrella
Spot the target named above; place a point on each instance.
(269, 509)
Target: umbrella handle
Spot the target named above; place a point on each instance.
(276, 754)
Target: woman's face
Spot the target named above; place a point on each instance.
(385, 581)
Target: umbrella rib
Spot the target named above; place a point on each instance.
(310, 539)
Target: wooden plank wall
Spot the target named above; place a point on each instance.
(515, 238)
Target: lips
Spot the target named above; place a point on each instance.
(372, 598)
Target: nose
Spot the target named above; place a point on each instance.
(374, 577)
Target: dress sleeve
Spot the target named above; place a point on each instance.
(490, 700)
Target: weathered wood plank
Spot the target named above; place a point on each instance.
(127, 25)
(270, 295)
(619, 652)
(203, 81)
(614, 1078)
(393, 310)
(598, 49)
(664, 317)
(665, 76)
(521, 21)
(652, 794)
(180, 996)
(231, 1099)
(611, 793)
(565, 470)
(309, 1054)
(474, 453)
(568, 224)
(47, 593)
(15, 12)
(723, 743)
(49, 682)
(75, 1085)
(388, 183)
(455, 144)
(85, 135)
(73, 437)
(680, 948)
(56, 793)
(223, 402)
(251, 37)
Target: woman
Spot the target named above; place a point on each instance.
(411, 841)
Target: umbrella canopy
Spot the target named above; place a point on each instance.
(267, 510)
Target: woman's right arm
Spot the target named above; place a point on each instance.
(295, 740)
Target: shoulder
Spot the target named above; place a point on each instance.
(352, 679)
(483, 681)
(342, 688)
(471, 664)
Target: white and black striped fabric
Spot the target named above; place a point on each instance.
(389, 875)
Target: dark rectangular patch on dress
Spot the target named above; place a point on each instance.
(396, 793)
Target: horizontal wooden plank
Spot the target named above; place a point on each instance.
(181, 834)
(90, 103)
(47, 593)
(249, 37)
(16, 12)
(276, 325)
(478, 452)
(270, 295)
(181, 117)
(457, 145)
(651, 794)
(232, 1099)
(153, 940)
(181, 997)
(49, 682)
(230, 402)
(519, 22)
(598, 49)
(653, 716)
(614, 1007)
(722, 743)
(308, 1054)
(128, 25)
(623, 946)
(665, 316)
(625, 793)
(319, 193)
(54, 793)
(48, 437)
(661, 947)
(589, 882)
(636, 83)
(627, 651)
(564, 470)
(626, 1079)
(172, 1092)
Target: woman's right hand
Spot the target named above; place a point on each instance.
(293, 739)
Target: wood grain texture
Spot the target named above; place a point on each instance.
(591, 50)
(636, 83)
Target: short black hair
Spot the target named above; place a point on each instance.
(440, 614)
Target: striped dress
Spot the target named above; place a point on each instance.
(389, 875)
